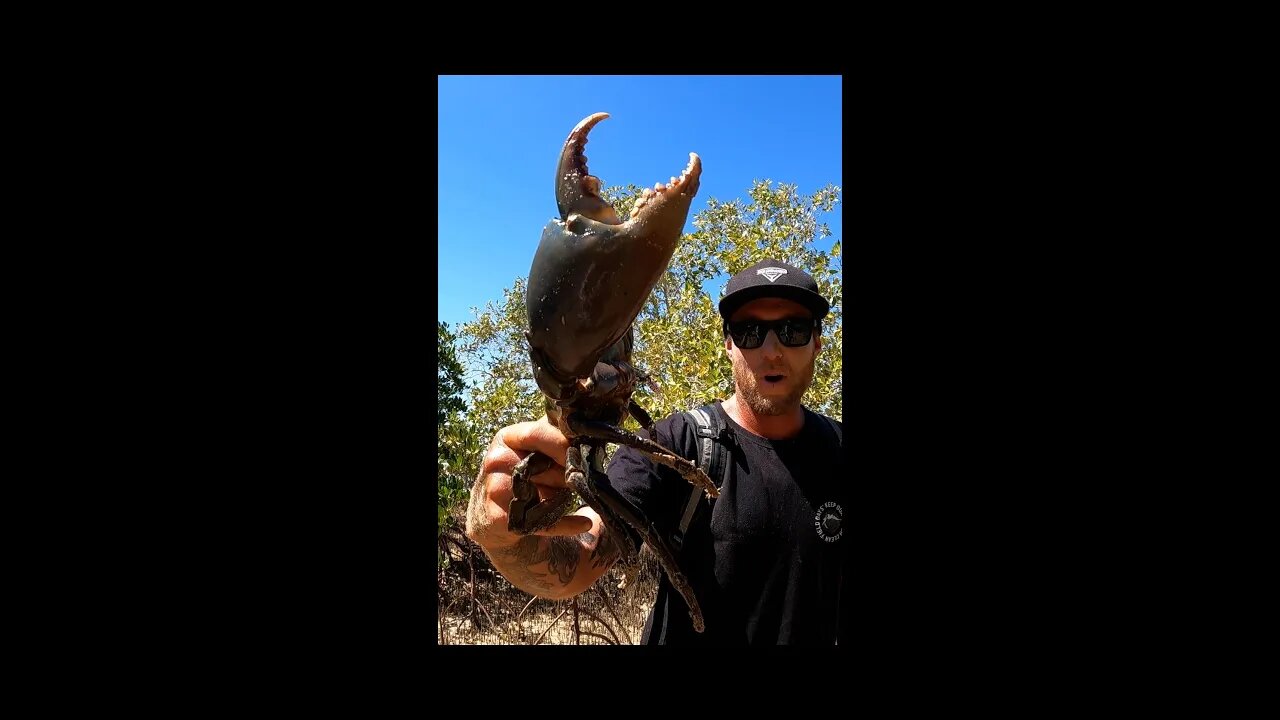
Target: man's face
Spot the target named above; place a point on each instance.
(772, 378)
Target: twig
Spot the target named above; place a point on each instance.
(577, 632)
(445, 615)
(519, 629)
(475, 616)
(597, 635)
(596, 617)
(553, 622)
(526, 607)
(492, 623)
(609, 606)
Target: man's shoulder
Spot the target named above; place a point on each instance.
(821, 416)
(824, 424)
(676, 422)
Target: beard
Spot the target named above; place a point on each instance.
(749, 389)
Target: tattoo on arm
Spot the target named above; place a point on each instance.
(606, 551)
(528, 551)
(564, 555)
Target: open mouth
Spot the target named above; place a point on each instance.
(772, 379)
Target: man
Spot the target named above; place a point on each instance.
(766, 561)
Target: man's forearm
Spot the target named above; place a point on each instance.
(557, 568)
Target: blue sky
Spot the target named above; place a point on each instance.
(499, 138)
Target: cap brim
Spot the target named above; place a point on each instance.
(817, 304)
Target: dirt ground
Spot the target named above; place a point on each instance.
(490, 611)
(551, 625)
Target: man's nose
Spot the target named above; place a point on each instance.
(772, 346)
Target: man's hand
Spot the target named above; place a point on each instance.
(491, 497)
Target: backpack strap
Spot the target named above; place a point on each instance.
(713, 458)
(835, 427)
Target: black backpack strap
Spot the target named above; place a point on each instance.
(713, 458)
(835, 427)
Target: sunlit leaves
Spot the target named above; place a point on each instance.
(449, 384)
(456, 444)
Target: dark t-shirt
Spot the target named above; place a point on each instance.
(766, 563)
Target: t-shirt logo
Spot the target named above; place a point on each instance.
(828, 520)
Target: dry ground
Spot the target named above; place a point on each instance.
(477, 606)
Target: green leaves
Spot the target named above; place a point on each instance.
(456, 442)
(449, 383)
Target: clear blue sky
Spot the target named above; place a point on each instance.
(500, 137)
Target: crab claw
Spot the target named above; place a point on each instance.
(577, 191)
(592, 273)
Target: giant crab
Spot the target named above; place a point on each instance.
(590, 277)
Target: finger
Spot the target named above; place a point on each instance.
(495, 480)
(567, 525)
(541, 436)
(551, 477)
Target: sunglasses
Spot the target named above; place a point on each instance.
(791, 332)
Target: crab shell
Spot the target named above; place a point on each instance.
(592, 272)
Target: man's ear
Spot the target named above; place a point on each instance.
(817, 342)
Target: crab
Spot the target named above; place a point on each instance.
(589, 279)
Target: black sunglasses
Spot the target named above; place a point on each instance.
(791, 332)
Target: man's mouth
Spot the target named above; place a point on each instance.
(772, 379)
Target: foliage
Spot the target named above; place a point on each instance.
(449, 383)
(458, 448)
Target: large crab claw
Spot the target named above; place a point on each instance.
(593, 272)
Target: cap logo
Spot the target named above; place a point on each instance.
(772, 273)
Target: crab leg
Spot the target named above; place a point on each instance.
(610, 433)
(616, 511)
(526, 513)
